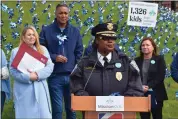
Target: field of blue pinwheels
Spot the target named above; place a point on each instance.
(15, 15)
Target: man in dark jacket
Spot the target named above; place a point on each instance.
(174, 68)
(64, 44)
(106, 71)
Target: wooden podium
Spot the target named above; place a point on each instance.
(131, 106)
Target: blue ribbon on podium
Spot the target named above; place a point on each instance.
(115, 94)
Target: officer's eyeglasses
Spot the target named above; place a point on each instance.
(108, 38)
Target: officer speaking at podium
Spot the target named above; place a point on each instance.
(106, 71)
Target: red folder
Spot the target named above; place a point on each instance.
(24, 48)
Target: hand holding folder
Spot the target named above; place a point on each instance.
(28, 59)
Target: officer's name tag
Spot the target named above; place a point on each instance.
(109, 103)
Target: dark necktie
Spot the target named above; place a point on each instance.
(105, 61)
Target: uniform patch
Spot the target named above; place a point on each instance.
(118, 65)
(118, 76)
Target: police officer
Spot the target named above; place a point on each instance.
(106, 71)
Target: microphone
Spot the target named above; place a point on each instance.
(91, 72)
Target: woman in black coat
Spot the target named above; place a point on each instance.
(152, 68)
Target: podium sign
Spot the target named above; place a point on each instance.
(109, 103)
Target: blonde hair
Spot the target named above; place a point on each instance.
(37, 42)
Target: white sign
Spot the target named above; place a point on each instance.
(109, 103)
(142, 14)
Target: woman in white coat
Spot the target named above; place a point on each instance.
(31, 95)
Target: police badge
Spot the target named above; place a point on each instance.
(119, 76)
(110, 26)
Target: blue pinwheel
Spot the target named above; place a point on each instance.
(13, 25)
(61, 39)
(4, 7)
(15, 35)
(32, 10)
(18, 4)
(35, 19)
(168, 73)
(10, 12)
(49, 6)
(19, 21)
(45, 10)
(8, 47)
(3, 37)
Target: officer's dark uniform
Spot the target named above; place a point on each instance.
(90, 77)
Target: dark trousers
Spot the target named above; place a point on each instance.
(83, 115)
(59, 89)
(156, 112)
(3, 98)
